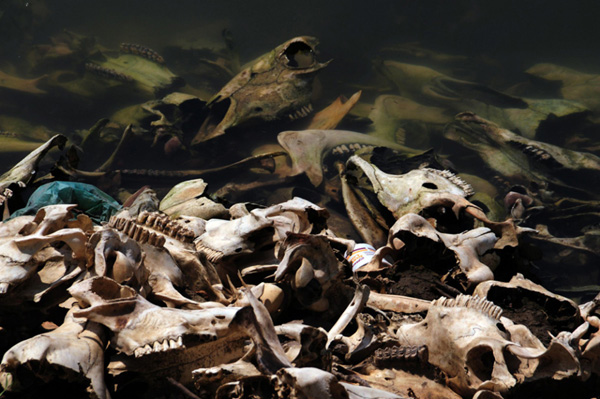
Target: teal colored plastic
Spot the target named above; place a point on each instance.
(95, 203)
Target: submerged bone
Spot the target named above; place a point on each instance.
(308, 262)
(275, 85)
(307, 148)
(331, 116)
(520, 159)
(22, 172)
(46, 228)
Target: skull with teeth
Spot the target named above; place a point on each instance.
(277, 85)
(140, 327)
(468, 341)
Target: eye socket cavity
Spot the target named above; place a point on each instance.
(299, 55)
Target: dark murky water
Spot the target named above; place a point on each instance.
(532, 67)
(488, 43)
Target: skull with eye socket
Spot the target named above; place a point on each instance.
(467, 339)
(277, 85)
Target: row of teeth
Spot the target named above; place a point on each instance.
(142, 52)
(167, 344)
(543, 155)
(302, 112)
(139, 233)
(401, 352)
(473, 302)
(149, 172)
(167, 226)
(466, 187)
(107, 72)
(211, 254)
(342, 149)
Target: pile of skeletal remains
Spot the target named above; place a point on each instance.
(343, 255)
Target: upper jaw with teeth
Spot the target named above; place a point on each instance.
(166, 345)
(301, 112)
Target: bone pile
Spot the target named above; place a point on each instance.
(321, 263)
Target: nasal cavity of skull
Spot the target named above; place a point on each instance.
(480, 361)
(430, 185)
(299, 55)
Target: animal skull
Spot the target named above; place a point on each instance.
(117, 256)
(468, 342)
(139, 327)
(311, 267)
(413, 191)
(468, 247)
(277, 85)
(74, 348)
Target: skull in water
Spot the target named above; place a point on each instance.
(277, 85)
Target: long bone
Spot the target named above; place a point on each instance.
(361, 295)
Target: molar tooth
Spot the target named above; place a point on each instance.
(496, 312)
(180, 341)
(139, 352)
(150, 219)
(173, 344)
(130, 228)
(4, 288)
(486, 308)
(144, 235)
(165, 345)
(147, 349)
(142, 216)
(137, 232)
(157, 347)
(345, 147)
